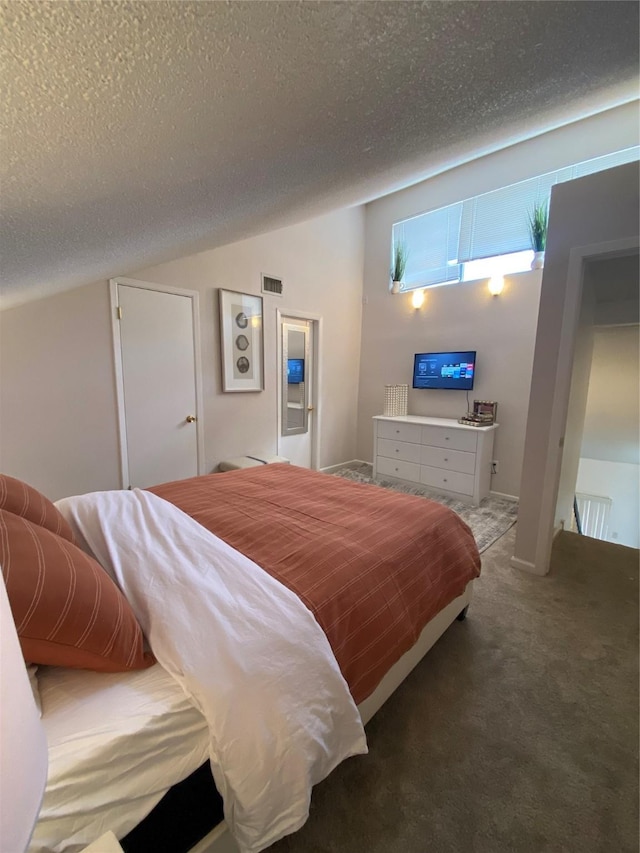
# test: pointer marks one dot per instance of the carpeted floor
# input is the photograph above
(517, 732)
(488, 521)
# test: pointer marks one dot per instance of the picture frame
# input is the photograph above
(486, 408)
(241, 341)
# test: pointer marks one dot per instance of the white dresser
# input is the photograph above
(436, 453)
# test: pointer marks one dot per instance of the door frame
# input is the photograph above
(194, 296)
(537, 507)
(316, 323)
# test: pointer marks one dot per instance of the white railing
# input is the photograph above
(594, 511)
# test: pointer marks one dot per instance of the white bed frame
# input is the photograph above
(220, 840)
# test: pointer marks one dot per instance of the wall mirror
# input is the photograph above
(295, 377)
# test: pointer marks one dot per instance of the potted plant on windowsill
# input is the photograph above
(400, 255)
(538, 223)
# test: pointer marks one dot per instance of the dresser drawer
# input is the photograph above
(452, 460)
(456, 439)
(400, 432)
(398, 468)
(453, 481)
(399, 450)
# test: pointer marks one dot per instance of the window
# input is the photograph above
(486, 235)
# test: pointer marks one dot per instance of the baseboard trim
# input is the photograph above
(526, 566)
(506, 497)
(353, 463)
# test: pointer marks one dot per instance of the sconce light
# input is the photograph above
(496, 285)
(417, 299)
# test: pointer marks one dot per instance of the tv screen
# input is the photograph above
(295, 371)
(444, 370)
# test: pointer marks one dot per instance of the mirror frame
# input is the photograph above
(287, 326)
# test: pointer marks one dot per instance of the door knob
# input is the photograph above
(191, 419)
(310, 408)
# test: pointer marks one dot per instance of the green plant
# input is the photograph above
(400, 255)
(538, 222)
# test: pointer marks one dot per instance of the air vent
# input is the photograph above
(271, 285)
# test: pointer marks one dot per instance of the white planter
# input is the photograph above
(395, 286)
(538, 261)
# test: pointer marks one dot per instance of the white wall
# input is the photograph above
(619, 481)
(58, 425)
(612, 415)
(503, 330)
(58, 429)
(462, 317)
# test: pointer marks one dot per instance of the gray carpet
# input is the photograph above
(488, 521)
(517, 733)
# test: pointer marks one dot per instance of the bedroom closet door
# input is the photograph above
(157, 368)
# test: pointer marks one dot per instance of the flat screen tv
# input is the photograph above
(295, 371)
(453, 370)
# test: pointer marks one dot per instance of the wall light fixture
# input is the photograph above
(496, 285)
(417, 299)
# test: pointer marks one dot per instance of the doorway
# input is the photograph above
(602, 456)
(298, 339)
(556, 405)
(157, 364)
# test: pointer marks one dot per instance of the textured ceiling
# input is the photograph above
(139, 131)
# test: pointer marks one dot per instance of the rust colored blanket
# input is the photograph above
(373, 566)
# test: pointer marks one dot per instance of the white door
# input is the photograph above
(156, 362)
(296, 391)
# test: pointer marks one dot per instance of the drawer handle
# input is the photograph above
(446, 438)
(397, 450)
(445, 480)
(397, 432)
(445, 459)
(396, 469)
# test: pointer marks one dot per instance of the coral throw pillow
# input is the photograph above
(21, 499)
(67, 610)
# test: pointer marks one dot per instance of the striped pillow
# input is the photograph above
(67, 610)
(24, 500)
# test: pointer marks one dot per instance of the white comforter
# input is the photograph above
(244, 648)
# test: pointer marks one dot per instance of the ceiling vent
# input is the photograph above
(271, 285)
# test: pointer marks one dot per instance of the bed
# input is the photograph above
(359, 581)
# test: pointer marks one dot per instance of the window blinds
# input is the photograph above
(431, 248)
(486, 226)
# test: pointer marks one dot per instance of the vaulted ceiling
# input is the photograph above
(135, 132)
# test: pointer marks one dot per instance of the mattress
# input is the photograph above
(117, 743)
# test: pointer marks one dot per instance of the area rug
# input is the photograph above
(488, 521)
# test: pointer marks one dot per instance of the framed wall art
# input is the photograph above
(241, 341)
